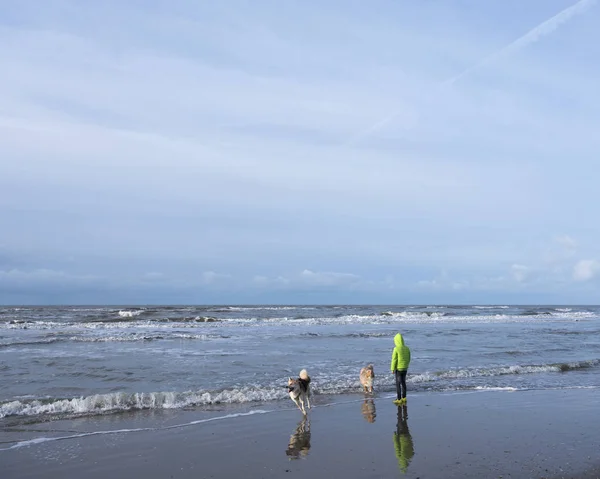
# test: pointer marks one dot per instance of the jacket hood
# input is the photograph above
(398, 340)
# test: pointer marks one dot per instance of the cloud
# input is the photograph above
(534, 35)
(308, 279)
(519, 272)
(445, 282)
(206, 140)
(560, 251)
(211, 278)
(47, 286)
(42, 277)
(554, 268)
(586, 269)
(568, 243)
(327, 278)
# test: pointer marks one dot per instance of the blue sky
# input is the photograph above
(299, 152)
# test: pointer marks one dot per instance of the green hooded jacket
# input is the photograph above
(400, 355)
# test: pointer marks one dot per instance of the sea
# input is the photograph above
(73, 362)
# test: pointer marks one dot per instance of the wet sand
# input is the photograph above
(524, 434)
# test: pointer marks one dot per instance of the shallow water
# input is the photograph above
(81, 361)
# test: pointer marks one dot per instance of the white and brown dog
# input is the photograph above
(300, 390)
(366, 378)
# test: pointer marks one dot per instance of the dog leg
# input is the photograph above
(302, 403)
(297, 403)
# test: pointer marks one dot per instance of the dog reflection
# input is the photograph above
(299, 444)
(403, 443)
(368, 410)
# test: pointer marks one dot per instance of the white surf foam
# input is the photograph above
(115, 402)
(332, 384)
(269, 308)
(130, 321)
(41, 440)
(130, 314)
(143, 337)
(502, 371)
(492, 388)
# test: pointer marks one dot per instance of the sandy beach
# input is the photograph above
(525, 434)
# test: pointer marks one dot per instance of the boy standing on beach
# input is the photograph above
(399, 367)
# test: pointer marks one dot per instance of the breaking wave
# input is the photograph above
(494, 388)
(39, 342)
(322, 385)
(347, 335)
(119, 402)
(130, 314)
(504, 370)
(266, 309)
(491, 307)
(158, 319)
(123, 338)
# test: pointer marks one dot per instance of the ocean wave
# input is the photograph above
(147, 337)
(266, 308)
(494, 388)
(567, 332)
(120, 402)
(413, 314)
(38, 342)
(503, 370)
(130, 314)
(391, 317)
(491, 307)
(184, 319)
(346, 335)
(167, 323)
(123, 338)
(574, 314)
(126, 319)
(323, 384)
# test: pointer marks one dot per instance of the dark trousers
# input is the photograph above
(400, 383)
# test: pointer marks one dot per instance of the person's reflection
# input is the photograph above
(299, 444)
(368, 410)
(403, 443)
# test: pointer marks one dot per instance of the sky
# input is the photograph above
(391, 152)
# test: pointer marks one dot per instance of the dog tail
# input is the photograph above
(304, 375)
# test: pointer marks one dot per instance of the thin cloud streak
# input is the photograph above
(532, 36)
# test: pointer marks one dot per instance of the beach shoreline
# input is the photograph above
(537, 434)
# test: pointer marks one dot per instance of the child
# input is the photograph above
(399, 367)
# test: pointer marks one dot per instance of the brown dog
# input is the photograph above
(366, 378)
